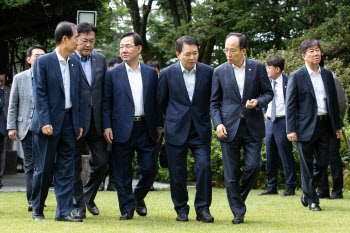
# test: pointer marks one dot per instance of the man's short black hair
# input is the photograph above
(153, 64)
(137, 38)
(38, 46)
(3, 71)
(114, 60)
(243, 41)
(187, 40)
(86, 28)
(64, 28)
(276, 61)
(307, 44)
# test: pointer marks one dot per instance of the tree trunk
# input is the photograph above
(209, 48)
(175, 13)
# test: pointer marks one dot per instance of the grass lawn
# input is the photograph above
(264, 214)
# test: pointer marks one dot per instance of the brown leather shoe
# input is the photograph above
(79, 215)
(92, 208)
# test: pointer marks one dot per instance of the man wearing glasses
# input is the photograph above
(94, 67)
(132, 122)
(240, 89)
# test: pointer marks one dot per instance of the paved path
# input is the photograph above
(16, 182)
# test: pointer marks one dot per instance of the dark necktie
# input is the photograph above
(273, 109)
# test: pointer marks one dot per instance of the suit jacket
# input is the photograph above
(179, 111)
(341, 98)
(93, 95)
(226, 104)
(49, 98)
(301, 105)
(21, 104)
(118, 103)
(2, 115)
(7, 91)
(285, 83)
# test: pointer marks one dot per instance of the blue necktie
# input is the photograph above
(273, 109)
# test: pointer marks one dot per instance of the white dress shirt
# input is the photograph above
(320, 92)
(279, 98)
(190, 80)
(240, 77)
(64, 65)
(136, 86)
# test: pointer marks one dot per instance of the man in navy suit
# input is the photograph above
(57, 122)
(3, 131)
(276, 140)
(312, 117)
(240, 90)
(132, 122)
(184, 95)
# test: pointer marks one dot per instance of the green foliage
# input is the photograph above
(8, 4)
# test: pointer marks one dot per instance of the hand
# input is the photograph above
(47, 129)
(292, 137)
(265, 116)
(160, 132)
(108, 134)
(251, 103)
(13, 134)
(221, 131)
(338, 132)
(80, 133)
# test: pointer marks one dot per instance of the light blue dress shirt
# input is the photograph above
(190, 80)
(86, 65)
(64, 65)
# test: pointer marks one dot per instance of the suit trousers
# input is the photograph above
(177, 163)
(314, 159)
(276, 142)
(2, 145)
(27, 145)
(110, 169)
(237, 190)
(98, 164)
(123, 153)
(54, 153)
(336, 165)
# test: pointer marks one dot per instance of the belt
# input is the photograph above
(322, 117)
(67, 110)
(277, 118)
(139, 118)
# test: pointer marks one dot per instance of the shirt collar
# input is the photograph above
(310, 70)
(81, 58)
(183, 70)
(278, 80)
(128, 68)
(60, 58)
(236, 67)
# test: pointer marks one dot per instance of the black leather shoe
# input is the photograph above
(323, 195)
(205, 216)
(92, 208)
(268, 191)
(37, 216)
(239, 218)
(336, 196)
(315, 207)
(288, 192)
(68, 219)
(303, 200)
(127, 216)
(183, 217)
(152, 188)
(140, 207)
(30, 208)
(111, 187)
(1, 185)
(79, 215)
(102, 187)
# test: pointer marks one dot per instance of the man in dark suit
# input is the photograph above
(132, 122)
(312, 116)
(94, 67)
(58, 121)
(3, 131)
(184, 95)
(240, 90)
(276, 141)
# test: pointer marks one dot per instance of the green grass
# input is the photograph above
(264, 214)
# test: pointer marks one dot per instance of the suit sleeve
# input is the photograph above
(2, 99)
(81, 98)
(215, 100)
(266, 90)
(107, 101)
(291, 102)
(336, 113)
(13, 105)
(163, 92)
(40, 92)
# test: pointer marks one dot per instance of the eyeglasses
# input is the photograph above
(85, 41)
(229, 51)
(127, 47)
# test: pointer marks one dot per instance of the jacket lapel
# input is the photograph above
(197, 81)
(285, 82)
(325, 84)
(248, 76)
(57, 69)
(75, 55)
(180, 80)
(145, 78)
(72, 74)
(93, 68)
(123, 76)
(307, 80)
(232, 78)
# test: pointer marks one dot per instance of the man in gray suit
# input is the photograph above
(94, 66)
(20, 114)
(6, 96)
